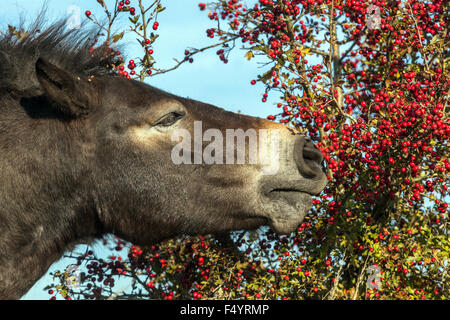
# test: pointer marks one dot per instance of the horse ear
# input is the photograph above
(69, 94)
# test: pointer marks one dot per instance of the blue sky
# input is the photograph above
(182, 25)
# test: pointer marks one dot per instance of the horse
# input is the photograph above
(85, 152)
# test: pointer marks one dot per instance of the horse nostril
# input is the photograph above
(307, 157)
(310, 152)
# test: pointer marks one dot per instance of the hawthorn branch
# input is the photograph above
(146, 59)
(151, 6)
(425, 58)
(346, 52)
(360, 277)
(332, 292)
(318, 51)
(115, 294)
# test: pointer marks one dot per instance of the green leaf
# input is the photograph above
(433, 41)
(249, 55)
(134, 20)
(11, 30)
(118, 36)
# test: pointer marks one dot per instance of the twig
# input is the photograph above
(332, 292)
(360, 277)
(425, 59)
(117, 293)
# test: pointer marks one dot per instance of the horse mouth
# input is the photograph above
(290, 194)
(291, 205)
(276, 190)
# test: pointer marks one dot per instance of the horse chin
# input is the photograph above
(249, 223)
(288, 209)
(285, 226)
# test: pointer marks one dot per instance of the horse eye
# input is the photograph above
(169, 119)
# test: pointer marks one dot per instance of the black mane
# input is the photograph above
(70, 49)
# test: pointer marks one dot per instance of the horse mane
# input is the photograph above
(70, 49)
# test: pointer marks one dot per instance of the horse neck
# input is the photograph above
(44, 194)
